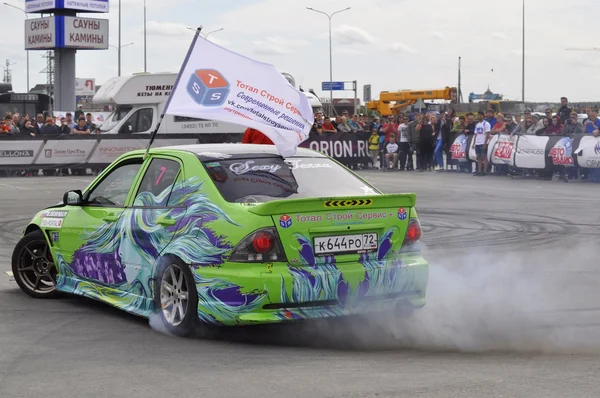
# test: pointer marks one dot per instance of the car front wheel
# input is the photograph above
(33, 266)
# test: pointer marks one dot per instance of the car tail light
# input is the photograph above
(412, 238)
(262, 245)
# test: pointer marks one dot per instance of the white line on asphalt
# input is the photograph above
(17, 187)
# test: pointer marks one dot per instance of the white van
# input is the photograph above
(139, 101)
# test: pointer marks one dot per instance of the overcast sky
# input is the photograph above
(391, 44)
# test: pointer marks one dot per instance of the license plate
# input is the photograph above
(345, 243)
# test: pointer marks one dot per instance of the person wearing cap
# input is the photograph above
(70, 122)
(253, 136)
(79, 112)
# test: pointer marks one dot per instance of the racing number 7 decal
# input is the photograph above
(163, 169)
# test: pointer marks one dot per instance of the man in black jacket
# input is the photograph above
(413, 140)
(564, 112)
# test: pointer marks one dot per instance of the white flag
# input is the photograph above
(217, 84)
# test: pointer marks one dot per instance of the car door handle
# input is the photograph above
(166, 221)
(110, 218)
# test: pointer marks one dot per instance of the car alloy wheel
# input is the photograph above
(35, 268)
(174, 295)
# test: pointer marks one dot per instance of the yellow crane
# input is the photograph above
(392, 102)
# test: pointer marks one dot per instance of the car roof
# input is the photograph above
(232, 151)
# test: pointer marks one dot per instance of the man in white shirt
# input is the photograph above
(480, 143)
(391, 152)
(404, 145)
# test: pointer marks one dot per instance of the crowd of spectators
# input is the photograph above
(17, 125)
(422, 141)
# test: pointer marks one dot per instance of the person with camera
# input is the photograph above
(572, 126)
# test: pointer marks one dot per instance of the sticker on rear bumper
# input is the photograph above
(349, 203)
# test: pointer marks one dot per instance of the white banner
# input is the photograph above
(491, 146)
(19, 152)
(66, 151)
(504, 150)
(458, 149)
(588, 152)
(530, 152)
(109, 150)
(472, 154)
(217, 84)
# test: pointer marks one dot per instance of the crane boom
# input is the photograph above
(392, 102)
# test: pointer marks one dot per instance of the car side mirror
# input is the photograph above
(73, 198)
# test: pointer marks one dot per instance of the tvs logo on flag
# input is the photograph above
(285, 221)
(597, 149)
(402, 214)
(208, 87)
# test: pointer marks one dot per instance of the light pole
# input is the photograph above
(205, 34)
(26, 17)
(119, 52)
(119, 46)
(213, 31)
(145, 35)
(330, 53)
(523, 61)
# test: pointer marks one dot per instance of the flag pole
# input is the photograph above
(183, 66)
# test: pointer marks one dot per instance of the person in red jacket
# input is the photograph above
(253, 136)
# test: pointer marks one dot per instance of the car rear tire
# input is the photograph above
(176, 300)
(33, 266)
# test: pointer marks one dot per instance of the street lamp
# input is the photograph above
(330, 52)
(119, 52)
(26, 17)
(120, 47)
(145, 36)
(523, 61)
(205, 34)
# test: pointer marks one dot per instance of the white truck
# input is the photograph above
(139, 100)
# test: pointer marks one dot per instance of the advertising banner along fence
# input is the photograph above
(532, 152)
(346, 148)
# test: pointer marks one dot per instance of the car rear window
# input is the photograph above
(261, 180)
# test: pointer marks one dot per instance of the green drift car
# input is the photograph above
(228, 234)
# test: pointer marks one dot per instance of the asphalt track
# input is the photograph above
(513, 311)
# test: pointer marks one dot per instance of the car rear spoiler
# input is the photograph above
(339, 203)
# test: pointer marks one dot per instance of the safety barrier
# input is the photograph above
(527, 151)
(533, 152)
(51, 152)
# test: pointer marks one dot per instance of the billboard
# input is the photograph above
(45, 6)
(84, 33)
(66, 32)
(85, 87)
(40, 33)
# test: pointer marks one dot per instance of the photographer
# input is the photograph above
(572, 126)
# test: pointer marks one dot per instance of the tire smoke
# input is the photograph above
(539, 302)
